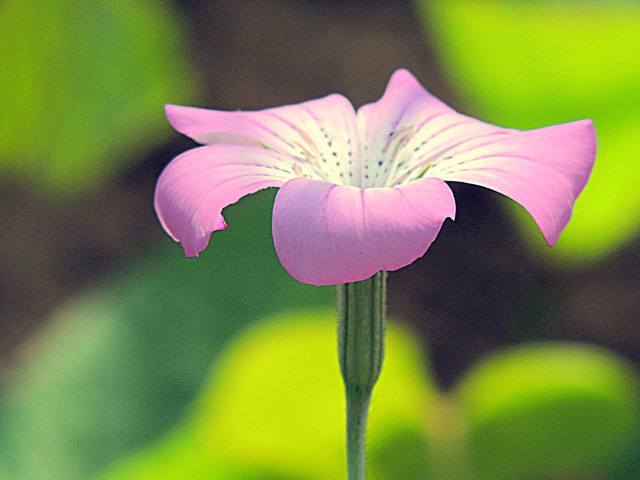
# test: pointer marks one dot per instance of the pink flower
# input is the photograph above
(363, 191)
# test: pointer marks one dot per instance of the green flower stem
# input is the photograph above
(361, 327)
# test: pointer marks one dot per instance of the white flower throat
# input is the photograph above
(335, 160)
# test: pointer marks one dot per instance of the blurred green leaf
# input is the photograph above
(82, 85)
(176, 457)
(274, 409)
(550, 411)
(528, 64)
(277, 403)
(403, 453)
(117, 366)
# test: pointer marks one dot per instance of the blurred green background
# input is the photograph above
(121, 360)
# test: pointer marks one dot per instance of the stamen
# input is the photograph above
(264, 145)
(404, 132)
(401, 137)
(309, 160)
(307, 139)
(429, 165)
(310, 156)
(402, 141)
(309, 149)
(297, 169)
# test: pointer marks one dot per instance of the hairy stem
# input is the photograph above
(361, 328)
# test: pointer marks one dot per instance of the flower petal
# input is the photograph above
(328, 234)
(544, 170)
(408, 128)
(322, 132)
(194, 188)
(413, 134)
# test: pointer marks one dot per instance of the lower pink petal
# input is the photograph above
(544, 170)
(328, 234)
(194, 188)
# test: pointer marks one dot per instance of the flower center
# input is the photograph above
(390, 158)
(388, 162)
(330, 161)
